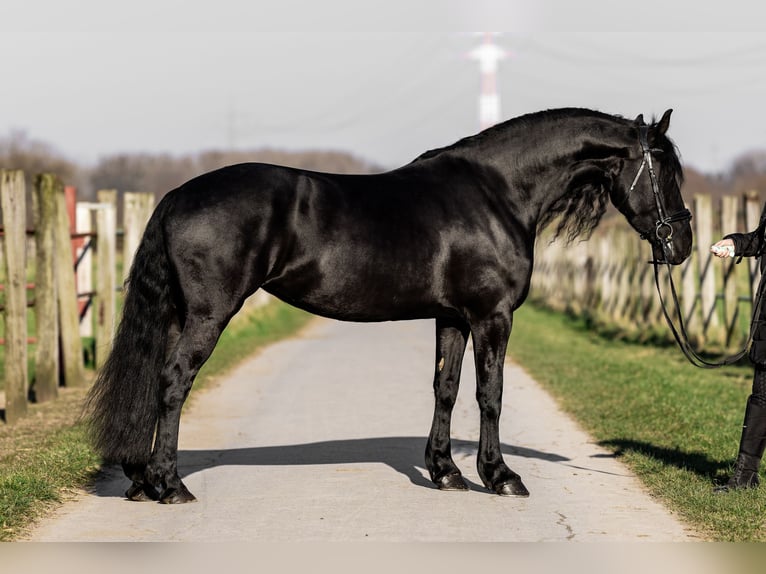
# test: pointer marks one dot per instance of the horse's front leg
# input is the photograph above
(451, 337)
(490, 340)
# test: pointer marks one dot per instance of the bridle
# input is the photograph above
(664, 232)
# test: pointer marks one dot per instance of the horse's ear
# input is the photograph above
(639, 119)
(664, 123)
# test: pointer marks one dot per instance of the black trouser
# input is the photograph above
(758, 395)
(753, 440)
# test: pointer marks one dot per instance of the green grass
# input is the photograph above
(36, 475)
(47, 454)
(675, 425)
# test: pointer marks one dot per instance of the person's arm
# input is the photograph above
(746, 244)
(737, 245)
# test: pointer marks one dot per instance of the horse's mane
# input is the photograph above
(517, 122)
(579, 212)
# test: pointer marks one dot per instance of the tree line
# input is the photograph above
(159, 173)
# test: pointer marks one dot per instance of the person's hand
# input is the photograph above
(723, 249)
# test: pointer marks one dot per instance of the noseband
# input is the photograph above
(663, 230)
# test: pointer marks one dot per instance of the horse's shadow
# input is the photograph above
(403, 454)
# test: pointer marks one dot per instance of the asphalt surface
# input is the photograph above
(321, 437)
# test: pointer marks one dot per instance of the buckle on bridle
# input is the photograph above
(664, 225)
(666, 222)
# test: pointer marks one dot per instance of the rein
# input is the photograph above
(664, 232)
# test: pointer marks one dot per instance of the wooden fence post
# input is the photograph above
(83, 224)
(645, 284)
(106, 280)
(623, 286)
(606, 278)
(69, 320)
(704, 239)
(13, 201)
(137, 210)
(689, 301)
(47, 187)
(628, 258)
(729, 212)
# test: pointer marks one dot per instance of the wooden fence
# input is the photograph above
(59, 350)
(609, 278)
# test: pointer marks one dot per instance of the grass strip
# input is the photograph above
(677, 427)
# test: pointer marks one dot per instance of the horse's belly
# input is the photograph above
(349, 298)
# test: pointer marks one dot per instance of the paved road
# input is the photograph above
(321, 438)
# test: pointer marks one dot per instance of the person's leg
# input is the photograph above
(753, 440)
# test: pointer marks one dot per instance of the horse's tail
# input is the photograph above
(123, 404)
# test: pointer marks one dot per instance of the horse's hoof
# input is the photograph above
(177, 496)
(452, 481)
(513, 487)
(142, 493)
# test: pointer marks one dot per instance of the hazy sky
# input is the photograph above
(384, 80)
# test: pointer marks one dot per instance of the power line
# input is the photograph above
(742, 56)
(331, 119)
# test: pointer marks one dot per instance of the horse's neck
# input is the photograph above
(536, 178)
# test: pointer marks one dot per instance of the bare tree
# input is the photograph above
(18, 151)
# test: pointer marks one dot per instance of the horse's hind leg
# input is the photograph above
(196, 342)
(451, 337)
(141, 490)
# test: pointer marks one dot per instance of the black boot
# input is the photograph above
(751, 447)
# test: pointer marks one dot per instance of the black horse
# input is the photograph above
(449, 236)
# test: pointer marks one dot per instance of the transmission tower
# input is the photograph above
(488, 54)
